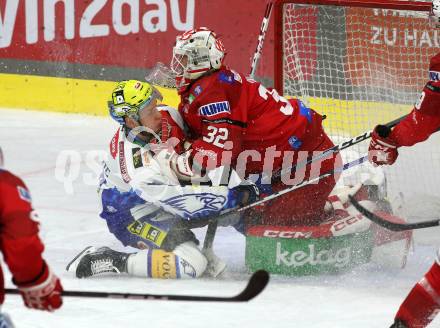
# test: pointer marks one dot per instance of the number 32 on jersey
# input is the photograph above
(216, 136)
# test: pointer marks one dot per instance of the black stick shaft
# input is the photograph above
(255, 286)
(210, 234)
(261, 37)
(393, 226)
(335, 149)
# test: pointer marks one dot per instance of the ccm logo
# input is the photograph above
(344, 224)
(286, 234)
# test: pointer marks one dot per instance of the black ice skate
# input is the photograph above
(92, 261)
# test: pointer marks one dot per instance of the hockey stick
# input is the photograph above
(392, 225)
(210, 234)
(257, 282)
(335, 149)
(325, 153)
(205, 221)
(261, 37)
(304, 183)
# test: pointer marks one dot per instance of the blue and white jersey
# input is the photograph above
(137, 172)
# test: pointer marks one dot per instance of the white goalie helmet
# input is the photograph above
(195, 53)
(435, 14)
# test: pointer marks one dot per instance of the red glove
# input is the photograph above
(44, 293)
(382, 150)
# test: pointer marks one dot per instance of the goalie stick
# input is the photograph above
(257, 282)
(393, 226)
(261, 37)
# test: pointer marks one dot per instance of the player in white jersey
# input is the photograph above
(145, 202)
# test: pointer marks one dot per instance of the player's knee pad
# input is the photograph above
(186, 261)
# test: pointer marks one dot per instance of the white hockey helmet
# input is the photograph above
(434, 15)
(195, 53)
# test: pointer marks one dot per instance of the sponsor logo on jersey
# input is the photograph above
(123, 164)
(215, 108)
(196, 205)
(198, 90)
(226, 77)
(305, 111)
(24, 194)
(137, 158)
(111, 209)
(114, 145)
(145, 158)
(339, 258)
(294, 142)
(191, 98)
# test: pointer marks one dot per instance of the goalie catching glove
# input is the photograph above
(383, 149)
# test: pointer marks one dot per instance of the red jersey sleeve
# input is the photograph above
(222, 121)
(423, 120)
(19, 241)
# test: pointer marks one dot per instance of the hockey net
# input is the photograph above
(361, 62)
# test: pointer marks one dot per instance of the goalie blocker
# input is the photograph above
(347, 239)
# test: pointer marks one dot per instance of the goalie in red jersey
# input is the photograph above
(235, 121)
(22, 249)
(423, 302)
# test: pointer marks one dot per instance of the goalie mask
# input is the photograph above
(195, 53)
(129, 99)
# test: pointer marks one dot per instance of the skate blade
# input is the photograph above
(71, 267)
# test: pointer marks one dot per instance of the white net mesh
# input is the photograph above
(361, 67)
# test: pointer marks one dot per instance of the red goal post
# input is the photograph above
(360, 62)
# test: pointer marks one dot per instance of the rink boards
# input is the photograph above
(71, 95)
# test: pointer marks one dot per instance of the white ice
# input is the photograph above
(368, 296)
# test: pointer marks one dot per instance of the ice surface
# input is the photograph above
(367, 297)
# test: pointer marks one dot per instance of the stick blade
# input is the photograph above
(255, 286)
(391, 225)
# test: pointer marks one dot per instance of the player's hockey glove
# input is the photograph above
(44, 293)
(245, 193)
(383, 149)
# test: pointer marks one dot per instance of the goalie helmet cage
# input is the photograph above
(361, 63)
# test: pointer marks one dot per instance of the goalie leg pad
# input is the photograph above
(186, 261)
